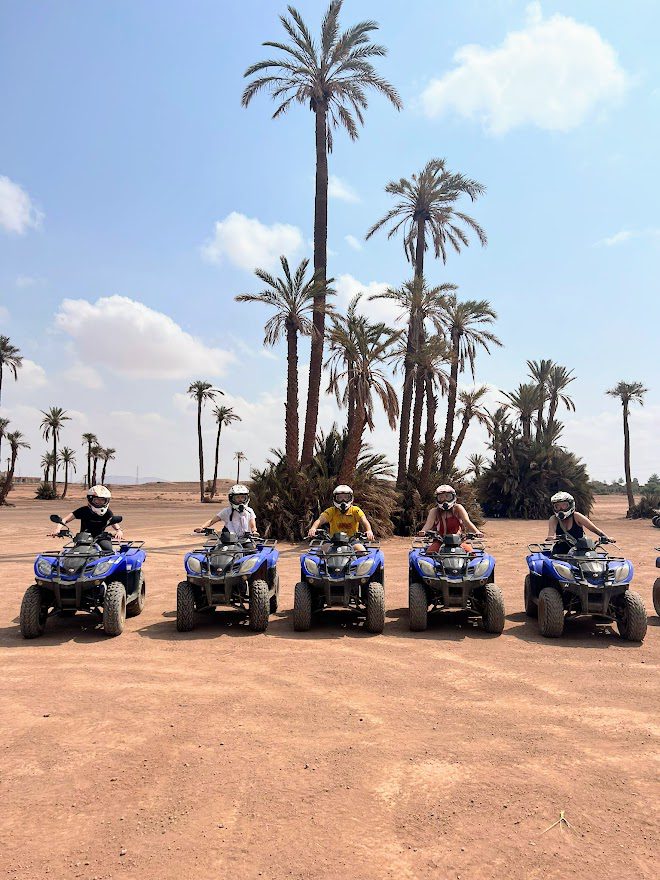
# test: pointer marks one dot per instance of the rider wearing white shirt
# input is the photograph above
(238, 518)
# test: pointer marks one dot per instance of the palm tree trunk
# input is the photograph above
(459, 441)
(238, 471)
(527, 428)
(66, 479)
(353, 445)
(626, 459)
(200, 449)
(406, 404)
(416, 435)
(55, 463)
(554, 403)
(9, 479)
(95, 462)
(215, 466)
(89, 465)
(1, 372)
(350, 376)
(429, 437)
(291, 416)
(320, 269)
(105, 464)
(451, 405)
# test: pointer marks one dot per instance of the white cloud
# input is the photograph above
(84, 375)
(353, 242)
(4, 315)
(377, 310)
(26, 281)
(249, 244)
(339, 189)
(553, 73)
(625, 235)
(31, 375)
(17, 211)
(134, 340)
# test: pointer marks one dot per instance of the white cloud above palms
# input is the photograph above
(339, 189)
(553, 73)
(249, 244)
(18, 213)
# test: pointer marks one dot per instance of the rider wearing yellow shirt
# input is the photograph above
(343, 516)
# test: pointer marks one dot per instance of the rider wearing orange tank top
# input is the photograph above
(448, 518)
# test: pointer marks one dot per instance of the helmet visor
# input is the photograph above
(345, 497)
(95, 501)
(445, 496)
(561, 506)
(239, 499)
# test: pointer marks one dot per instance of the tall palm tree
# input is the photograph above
(477, 463)
(331, 77)
(558, 379)
(68, 459)
(108, 454)
(464, 323)
(471, 407)
(432, 361)
(417, 303)
(525, 402)
(341, 357)
(425, 209)
(368, 347)
(201, 392)
(224, 415)
(97, 453)
(628, 392)
(16, 441)
(51, 425)
(293, 298)
(238, 458)
(4, 424)
(501, 432)
(539, 372)
(91, 440)
(11, 358)
(47, 464)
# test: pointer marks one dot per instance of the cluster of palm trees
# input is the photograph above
(203, 392)
(548, 385)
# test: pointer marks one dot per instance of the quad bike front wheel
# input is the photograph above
(185, 607)
(656, 521)
(631, 620)
(375, 622)
(418, 607)
(531, 609)
(259, 609)
(656, 596)
(114, 609)
(551, 613)
(493, 609)
(33, 613)
(302, 607)
(137, 605)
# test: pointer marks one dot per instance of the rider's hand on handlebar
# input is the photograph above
(311, 533)
(118, 535)
(201, 531)
(370, 535)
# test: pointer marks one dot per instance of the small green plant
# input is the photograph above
(45, 492)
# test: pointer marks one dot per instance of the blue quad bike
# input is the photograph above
(656, 587)
(83, 576)
(453, 577)
(228, 572)
(333, 574)
(585, 581)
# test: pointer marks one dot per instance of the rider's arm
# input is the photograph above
(364, 522)
(214, 519)
(429, 522)
(62, 526)
(586, 523)
(552, 529)
(321, 521)
(253, 524)
(466, 522)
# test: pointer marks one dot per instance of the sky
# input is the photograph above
(137, 196)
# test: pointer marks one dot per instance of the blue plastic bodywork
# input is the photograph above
(339, 578)
(225, 571)
(451, 576)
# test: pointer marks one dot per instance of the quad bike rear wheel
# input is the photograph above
(33, 613)
(493, 609)
(114, 609)
(137, 605)
(185, 607)
(259, 606)
(375, 622)
(632, 619)
(656, 596)
(275, 598)
(418, 607)
(531, 608)
(551, 613)
(656, 521)
(302, 607)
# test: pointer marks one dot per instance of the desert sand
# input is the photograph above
(331, 754)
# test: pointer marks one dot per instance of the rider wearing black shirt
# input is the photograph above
(95, 517)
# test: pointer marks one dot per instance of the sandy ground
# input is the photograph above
(221, 753)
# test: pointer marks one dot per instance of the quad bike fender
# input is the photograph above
(536, 563)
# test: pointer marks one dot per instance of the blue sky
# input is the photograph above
(124, 145)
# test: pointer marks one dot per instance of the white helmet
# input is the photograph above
(567, 505)
(98, 499)
(446, 490)
(344, 504)
(239, 497)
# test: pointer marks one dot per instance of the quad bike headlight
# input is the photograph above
(193, 565)
(248, 565)
(311, 568)
(44, 568)
(427, 568)
(480, 569)
(102, 568)
(564, 571)
(622, 573)
(363, 568)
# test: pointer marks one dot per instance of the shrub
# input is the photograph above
(648, 506)
(413, 504)
(45, 492)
